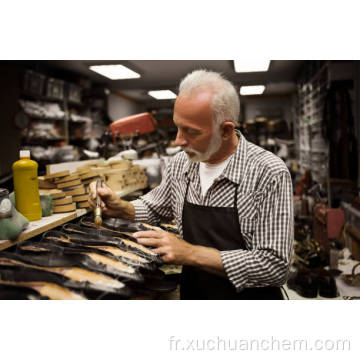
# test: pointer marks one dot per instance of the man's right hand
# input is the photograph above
(111, 204)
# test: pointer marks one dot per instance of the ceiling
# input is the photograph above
(166, 74)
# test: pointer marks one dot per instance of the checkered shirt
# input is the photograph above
(265, 208)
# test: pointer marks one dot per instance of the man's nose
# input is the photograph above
(180, 140)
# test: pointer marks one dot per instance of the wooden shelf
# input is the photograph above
(42, 225)
(40, 98)
(45, 118)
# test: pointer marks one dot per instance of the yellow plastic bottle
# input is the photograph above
(26, 186)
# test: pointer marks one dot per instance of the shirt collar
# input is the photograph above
(191, 169)
(234, 169)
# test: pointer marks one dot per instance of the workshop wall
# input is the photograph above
(119, 107)
(350, 71)
(268, 107)
(357, 107)
(10, 138)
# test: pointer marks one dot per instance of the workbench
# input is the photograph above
(49, 222)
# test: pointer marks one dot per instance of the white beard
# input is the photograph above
(214, 146)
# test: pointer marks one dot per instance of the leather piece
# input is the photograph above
(57, 248)
(80, 234)
(13, 292)
(46, 261)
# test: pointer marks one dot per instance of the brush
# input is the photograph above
(97, 210)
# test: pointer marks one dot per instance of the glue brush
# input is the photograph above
(97, 210)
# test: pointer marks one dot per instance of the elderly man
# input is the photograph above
(232, 201)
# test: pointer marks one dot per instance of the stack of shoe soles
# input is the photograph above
(120, 229)
(83, 262)
(169, 228)
(312, 283)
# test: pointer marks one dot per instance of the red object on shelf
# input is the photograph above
(143, 123)
(328, 224)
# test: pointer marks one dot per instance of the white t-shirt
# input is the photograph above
(209, 172)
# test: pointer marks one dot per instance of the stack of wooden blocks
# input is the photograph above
(70, 190)
(124, 174)
(67, 190)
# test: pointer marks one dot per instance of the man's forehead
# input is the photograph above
(201, 94)
(193, 112)
(193, 103)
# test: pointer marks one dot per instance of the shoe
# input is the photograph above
(304, 283)
(327, 284)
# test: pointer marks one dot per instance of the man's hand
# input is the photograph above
(172, 248)
(177, 251)
(111, 204)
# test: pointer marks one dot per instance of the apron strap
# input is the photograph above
(187, 188)
(235, 199)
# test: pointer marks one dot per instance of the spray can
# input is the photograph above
(26, 186)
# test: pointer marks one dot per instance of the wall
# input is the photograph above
(119, 107)
(357, 108)
(268, 107)
(350, 70)
(10, 137)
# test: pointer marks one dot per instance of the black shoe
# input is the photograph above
(327, 284)
(304, 283)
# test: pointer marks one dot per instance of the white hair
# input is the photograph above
(225, 103)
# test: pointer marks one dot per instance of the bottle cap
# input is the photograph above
(24, 154)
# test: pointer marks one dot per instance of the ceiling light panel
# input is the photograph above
(115, 72)
(251, 65)
(252, 90)
(162, 94)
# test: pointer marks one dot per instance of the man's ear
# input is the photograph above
(227, 129)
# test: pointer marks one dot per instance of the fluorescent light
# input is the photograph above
(252, 90)
(115, 72)
(251, 65)
(162, 94)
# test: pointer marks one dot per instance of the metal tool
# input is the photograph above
(97, 210)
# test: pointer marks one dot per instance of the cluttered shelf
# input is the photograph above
(40, 140)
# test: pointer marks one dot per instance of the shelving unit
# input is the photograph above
(312, 90)
(66, 95)
(312, 148)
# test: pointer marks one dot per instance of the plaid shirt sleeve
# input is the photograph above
(156, 204)
(267, 262)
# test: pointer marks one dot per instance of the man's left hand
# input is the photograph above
(172, 248)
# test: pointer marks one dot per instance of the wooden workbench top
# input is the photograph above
(44, 224)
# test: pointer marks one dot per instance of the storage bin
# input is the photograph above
(74, 93)
(55, 89)
(33, 83)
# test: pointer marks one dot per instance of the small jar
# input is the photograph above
(5, 204)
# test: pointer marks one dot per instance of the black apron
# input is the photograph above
(216, 227)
